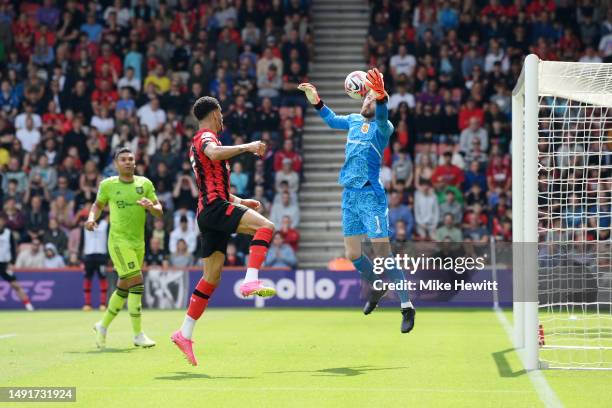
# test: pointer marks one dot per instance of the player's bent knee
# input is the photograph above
(268, 224)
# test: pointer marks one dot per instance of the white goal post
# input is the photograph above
(561, 207)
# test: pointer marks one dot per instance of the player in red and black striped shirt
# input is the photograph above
(221, 214)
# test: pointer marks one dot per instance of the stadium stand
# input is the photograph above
(80, 79)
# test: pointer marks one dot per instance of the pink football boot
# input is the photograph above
(185, 345)
(256, 287)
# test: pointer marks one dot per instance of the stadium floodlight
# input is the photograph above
(561, 206)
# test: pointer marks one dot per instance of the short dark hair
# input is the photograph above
(203, 106)
(122, 150)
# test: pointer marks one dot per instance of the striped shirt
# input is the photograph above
(212, 176)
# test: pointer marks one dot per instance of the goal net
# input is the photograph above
(562, 209)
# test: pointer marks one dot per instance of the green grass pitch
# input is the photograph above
(284, 358)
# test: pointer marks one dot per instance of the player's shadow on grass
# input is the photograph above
(184, 375)
(106, 350)
(340, 371)
(503, 367)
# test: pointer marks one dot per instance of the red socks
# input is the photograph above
(103, 290)
(259, 247)
(199, 299)
(87, 291)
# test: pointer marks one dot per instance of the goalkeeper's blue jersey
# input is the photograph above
(364, 146)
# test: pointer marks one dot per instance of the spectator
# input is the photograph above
(402, 63)
(29, 136)
(130, 80)
(63, 212)
(286, 207)
(447, 174)
(399, 211)
(159, 80)
(14, 172)
(426, 211)
(448, 230)
(291, 236)
(402, 169)
(36, 218)
(469, 111)
(286, 174)
(266, 61)
(233, 257)
(152, 115)
(474, 131)
(185, 192)
(182, 232)
(182, 258)
(401, 96)
(451, 206)
(476, 196)
(54, 235)
(470, 60)
(280, 254)
(92, 28)
(52, 258)
(155, 256)
(400, 234)
(31, 256)
(288, 151)
(499, 175)
(270, 84)
(159, 232)
(475, 231)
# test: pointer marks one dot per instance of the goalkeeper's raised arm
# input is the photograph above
(374, 81)
(333, 121)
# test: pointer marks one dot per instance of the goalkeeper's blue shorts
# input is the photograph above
(365, 212)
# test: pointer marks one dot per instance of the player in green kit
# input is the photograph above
(128, 197)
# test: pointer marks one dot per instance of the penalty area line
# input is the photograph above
(545, 392)
(7, 336)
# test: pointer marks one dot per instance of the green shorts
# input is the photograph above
(127, 260)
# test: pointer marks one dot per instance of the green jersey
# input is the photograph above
(127, 219)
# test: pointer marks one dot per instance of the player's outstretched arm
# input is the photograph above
(333, 121)
(215, 152)
(94, 214)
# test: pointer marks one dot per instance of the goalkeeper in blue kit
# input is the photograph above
(364, 202)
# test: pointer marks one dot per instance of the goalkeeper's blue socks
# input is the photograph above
(397, 276)
(365, 268)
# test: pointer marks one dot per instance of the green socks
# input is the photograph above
(115, 304)
(134, 307)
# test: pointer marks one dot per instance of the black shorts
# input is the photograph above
(95, 264)
(217, 222)
(5, 273)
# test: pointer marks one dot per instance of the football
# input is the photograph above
(354, 85)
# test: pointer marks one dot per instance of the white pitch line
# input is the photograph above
(545, 392)
(7, 336)
(310, 389)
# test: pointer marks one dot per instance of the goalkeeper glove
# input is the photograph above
(374, 81)
(311, 92)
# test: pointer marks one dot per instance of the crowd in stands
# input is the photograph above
(80, 79)
(450, 67)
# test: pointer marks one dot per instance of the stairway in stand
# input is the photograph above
(340, 29)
